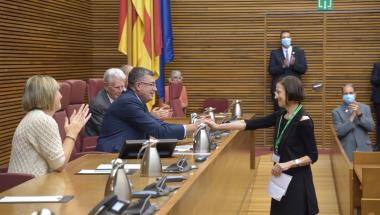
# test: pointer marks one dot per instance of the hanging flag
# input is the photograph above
(167, 52)
(140, 34)
(123, 26)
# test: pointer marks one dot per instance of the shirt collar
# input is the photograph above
(289, 50)
(109, 97)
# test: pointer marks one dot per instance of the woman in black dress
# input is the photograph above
(295, 147)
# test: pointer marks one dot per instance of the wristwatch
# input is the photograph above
(297, 161)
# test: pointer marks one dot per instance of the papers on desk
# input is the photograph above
(109, 166)
(183, 148)
(94, 172)
(104, 169)
(34, 199)
(278, 185)
(186, 150)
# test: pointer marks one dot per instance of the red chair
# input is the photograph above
(9, 180)
(220, 104)
(59, 116)
(77, 96)
(175, 89)
(94, 85)
(4, 168)
(78, 92)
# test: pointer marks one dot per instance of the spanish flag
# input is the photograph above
(140, 36)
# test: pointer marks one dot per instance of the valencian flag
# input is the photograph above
(140, 36)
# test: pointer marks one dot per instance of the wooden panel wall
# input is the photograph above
(105, 15)
(222, 47)
(39, 37)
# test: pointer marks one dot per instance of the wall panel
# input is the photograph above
(39, 37)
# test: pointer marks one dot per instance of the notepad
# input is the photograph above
(278, 185)
(34, 199)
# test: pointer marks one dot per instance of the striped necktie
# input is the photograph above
(287, 57)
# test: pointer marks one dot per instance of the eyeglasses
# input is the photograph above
(152, 84)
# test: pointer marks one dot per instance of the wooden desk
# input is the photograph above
(365, 185)
(359, 169)
(343, 176)
(218, 186)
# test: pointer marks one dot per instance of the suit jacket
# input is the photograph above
(375, 80)
(98, 108)
(129, 119)
(275, 65)
(353, 135)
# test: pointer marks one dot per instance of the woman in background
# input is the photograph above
(37, 146)
(176, 94)
(294, 149)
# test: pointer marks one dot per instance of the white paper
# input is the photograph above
(189, 153)
(278, 185)
(94, 171)
(109, 166)
(183, 148)
(16, 199)
(275, 158)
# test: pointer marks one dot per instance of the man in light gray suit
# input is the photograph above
(352, 122)
(114, 85)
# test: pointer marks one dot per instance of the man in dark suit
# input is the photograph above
(114, 84)
(375, 80)
(128, 117)
(287, 60)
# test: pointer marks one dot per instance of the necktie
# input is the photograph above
(287, 57)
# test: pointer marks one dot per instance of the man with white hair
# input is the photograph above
(114, 85)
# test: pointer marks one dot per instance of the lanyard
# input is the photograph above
(279, 134)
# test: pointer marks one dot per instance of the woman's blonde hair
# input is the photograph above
(39, 93)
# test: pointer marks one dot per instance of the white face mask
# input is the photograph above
(348, 98)
(286, 42)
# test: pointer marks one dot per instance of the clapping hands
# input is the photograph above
(77, 120)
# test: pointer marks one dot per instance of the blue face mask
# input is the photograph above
(348, 98)
(286, 42)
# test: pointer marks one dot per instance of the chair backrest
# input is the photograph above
(65, 90)
(78, 92)
(9, 180)
(59, 116)
(220, 104)
(94, 85)
(4, 168)
(175, 89)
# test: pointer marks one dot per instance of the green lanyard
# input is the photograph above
(279, 134)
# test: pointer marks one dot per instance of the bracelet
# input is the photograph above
(71, 138)
(297, 162)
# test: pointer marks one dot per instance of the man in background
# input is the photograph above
(128, 118)
(114, 85)
(352, 121)
(375, 80)
(287, 60)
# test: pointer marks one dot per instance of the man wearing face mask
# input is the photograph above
(352, 121)
(287, 60)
